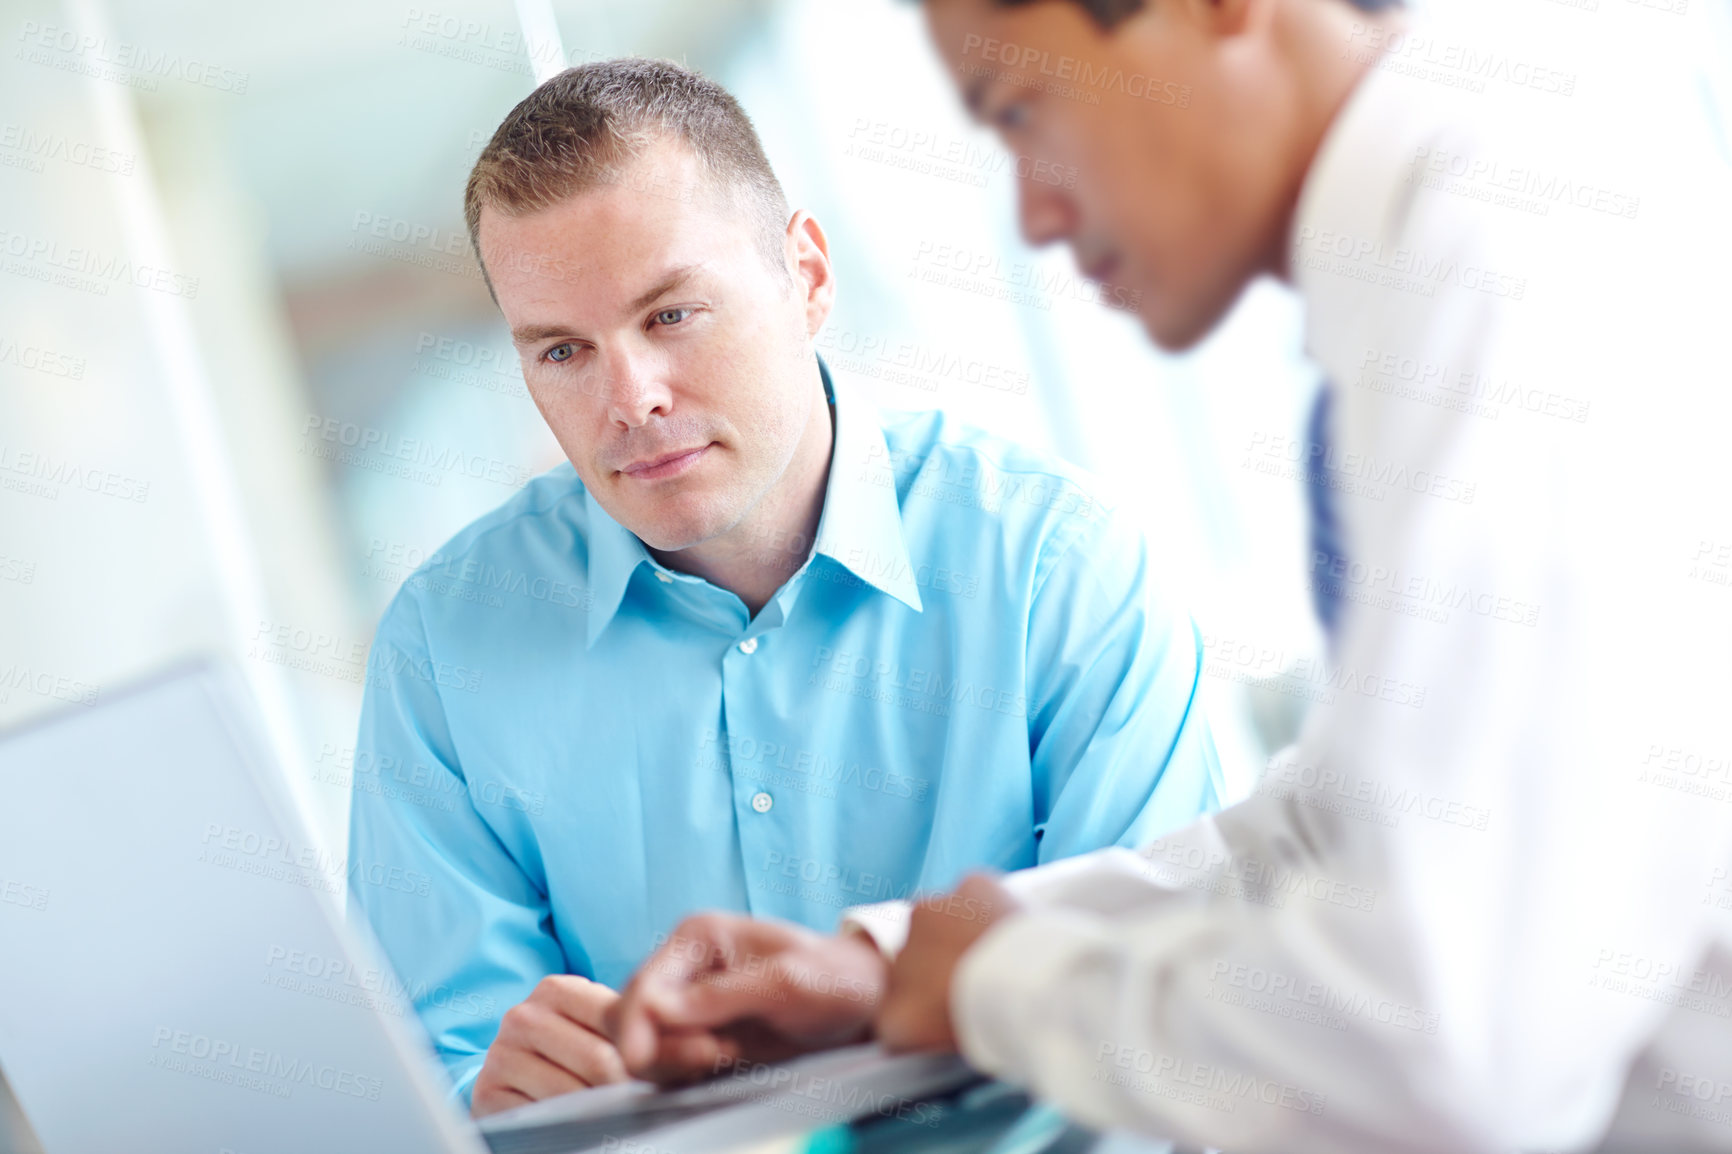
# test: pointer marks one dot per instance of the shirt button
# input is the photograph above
(762, 802)
(749, 646)
(664, 578)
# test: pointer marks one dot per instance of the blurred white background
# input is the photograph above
(234, 282)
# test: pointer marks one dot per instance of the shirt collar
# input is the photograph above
(860, 527)
(614, 555)
(1357, 192)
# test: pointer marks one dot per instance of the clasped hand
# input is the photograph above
(725, 988)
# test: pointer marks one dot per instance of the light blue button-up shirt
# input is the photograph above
(566, 747)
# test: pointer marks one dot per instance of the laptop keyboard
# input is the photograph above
(863, 1070)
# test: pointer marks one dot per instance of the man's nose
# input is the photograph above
(637, 390)
(1045, 211)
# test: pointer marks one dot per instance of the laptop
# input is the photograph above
(176, 974)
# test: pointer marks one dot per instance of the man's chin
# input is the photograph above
(1179, 323)
(671, 534)
(672, 539)
(1178, 332)
(677, 520)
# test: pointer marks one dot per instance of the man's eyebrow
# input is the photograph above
(668, 284)
(530, 334)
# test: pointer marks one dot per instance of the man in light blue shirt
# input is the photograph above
(753, 648)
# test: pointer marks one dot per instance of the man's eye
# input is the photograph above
(559, 353)
(671, 316)
(1012, 116)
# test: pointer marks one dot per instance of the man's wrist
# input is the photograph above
(874, 967)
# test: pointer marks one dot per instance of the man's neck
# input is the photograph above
(1327, 77)
(757, 556)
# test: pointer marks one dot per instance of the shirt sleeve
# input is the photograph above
(1120, 751)
(472, 936)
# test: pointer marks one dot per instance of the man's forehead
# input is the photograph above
(600, 294)
(607, 244)
(578, 239)
(656, 196)
(960, 28)
(1008, 36)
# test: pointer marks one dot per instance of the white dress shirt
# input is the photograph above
(1481, 904)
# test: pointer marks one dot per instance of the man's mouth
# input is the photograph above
(1101, 269)
(665, 465)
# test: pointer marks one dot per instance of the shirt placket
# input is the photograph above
(748, 669)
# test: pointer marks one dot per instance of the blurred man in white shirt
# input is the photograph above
(1480, 905)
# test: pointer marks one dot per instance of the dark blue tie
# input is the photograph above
(1327, 553)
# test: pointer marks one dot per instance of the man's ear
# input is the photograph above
(808, 254)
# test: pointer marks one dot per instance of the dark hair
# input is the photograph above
(584, 126)
(1108, 13)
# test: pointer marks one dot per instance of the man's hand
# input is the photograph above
(550, 1043)
(726, 987)
(916, 1010)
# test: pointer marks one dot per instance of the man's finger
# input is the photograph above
(583, 1053)
(657, 997)
(701, 951)
(579, 999)
(635, 1030)
(753, 1040)
(683, 1056)
(719, 1000)
(496, 1100)
(687, 1056)
(697, 944)
(534, 1076)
